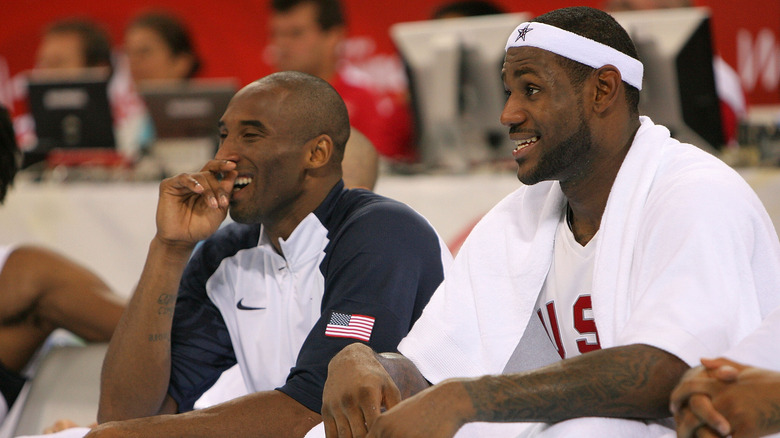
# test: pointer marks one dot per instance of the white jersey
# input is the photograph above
(564, 304)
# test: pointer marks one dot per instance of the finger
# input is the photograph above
(219, 185)
(701, 406)
(726, 373)
(392, 396)
(216, 166)
(203, 188)
(330, 426)
(687, 423)
(706, 432)
(687, 388)
(355, 417)
(220, 176)
(370, 413)
(343, 427)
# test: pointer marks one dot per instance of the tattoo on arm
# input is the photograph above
(768, 420)
(167, 304)
(157, 337)
(634, 381)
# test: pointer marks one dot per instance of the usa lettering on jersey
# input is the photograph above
(583, 323)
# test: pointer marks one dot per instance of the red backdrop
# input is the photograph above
(231, 35)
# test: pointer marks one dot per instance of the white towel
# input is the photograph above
(687, 261)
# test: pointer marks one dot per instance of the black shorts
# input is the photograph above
(11, 384)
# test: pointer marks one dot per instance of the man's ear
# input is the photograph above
(321, 149)
(608, 85)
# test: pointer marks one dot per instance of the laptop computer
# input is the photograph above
(189, 109)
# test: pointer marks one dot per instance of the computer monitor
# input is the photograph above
(71, 114)
(185, 116)
(187, 109)
(454, 68)
(678, 90)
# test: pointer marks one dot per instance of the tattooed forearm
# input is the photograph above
(406, 376)
(768, 418)
(628, 382)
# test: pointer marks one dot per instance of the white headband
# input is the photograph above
(577, 48)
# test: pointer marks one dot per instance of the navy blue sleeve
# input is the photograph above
(201, 348)
(384, 264)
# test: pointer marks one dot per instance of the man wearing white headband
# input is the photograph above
(577, 303)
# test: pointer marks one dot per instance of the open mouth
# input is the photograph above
(241, 182)
(522, 144)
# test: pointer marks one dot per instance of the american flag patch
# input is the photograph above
(344, 325)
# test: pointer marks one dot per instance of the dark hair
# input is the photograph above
(330, 13)
(173, 32)
(9, 153)
(467, 8)
(598, 26)
(315, 106)
(97, 45)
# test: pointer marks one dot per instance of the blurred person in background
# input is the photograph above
(467, 8)
(306, 36)
(40, 291)
(159, 47)
(70, 46)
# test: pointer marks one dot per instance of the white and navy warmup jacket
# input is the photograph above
(360, 268)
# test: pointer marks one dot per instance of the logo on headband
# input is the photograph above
(521, 33)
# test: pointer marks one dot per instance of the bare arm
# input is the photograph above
(632, 381)
(41, 290)
(263, 414)
(136, 370)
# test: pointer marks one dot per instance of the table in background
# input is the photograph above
(108, 226)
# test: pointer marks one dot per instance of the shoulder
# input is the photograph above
(363, 222)
(363, 209)
(691, 174)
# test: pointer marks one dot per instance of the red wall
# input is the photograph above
(231, 34)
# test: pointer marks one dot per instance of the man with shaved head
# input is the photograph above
(306, 268)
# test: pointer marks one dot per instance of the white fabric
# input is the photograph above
(577, 48)
(760, 348)
(3, 409)
(566, 287)
(5, 251)
(74, 432)
(687, 261)
(265, 362)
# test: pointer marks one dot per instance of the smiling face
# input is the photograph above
(257, 134)
(545, 117)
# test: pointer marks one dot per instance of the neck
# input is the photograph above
(283, 225)
(587, 196)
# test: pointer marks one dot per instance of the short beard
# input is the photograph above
(563, 158)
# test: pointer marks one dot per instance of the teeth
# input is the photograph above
(522, 144)
(241, 182)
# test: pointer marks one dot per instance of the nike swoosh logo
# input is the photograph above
(241, 306)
